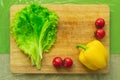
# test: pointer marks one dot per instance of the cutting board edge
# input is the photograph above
(104, 5)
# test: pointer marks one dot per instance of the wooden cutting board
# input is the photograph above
(76, 25)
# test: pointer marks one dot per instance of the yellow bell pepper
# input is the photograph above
(94, 55)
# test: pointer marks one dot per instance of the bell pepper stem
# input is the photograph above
(82, 46)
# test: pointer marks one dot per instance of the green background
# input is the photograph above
(114, 19)
(5, 73)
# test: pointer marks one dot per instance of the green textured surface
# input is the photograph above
(6, 4)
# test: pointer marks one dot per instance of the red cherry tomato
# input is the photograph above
(67, 62)
(57, 62)
(99, 33)
(100, 22)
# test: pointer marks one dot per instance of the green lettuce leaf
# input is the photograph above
(34, 30)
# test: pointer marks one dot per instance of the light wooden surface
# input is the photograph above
(76, 25)
(114, 74)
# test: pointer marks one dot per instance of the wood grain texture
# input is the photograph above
(76, 25)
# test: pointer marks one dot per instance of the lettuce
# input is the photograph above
(34, 30)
